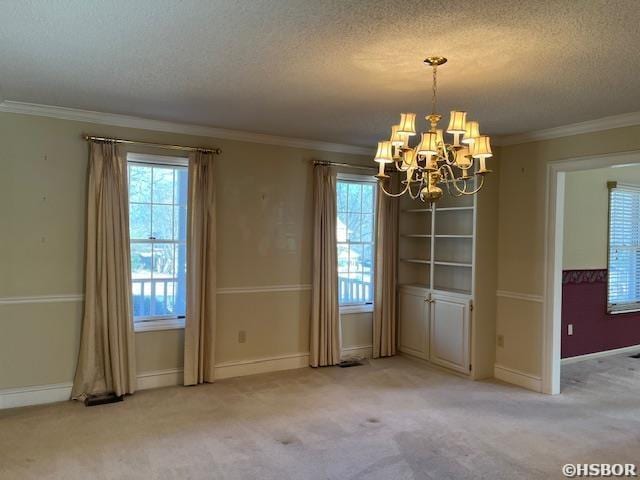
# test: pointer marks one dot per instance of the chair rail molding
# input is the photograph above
(527, 297)
(61, 298)
(264, 289)
(79, 297)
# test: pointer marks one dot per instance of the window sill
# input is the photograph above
(366, 308)
(160, 324)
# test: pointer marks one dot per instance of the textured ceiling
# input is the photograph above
(333, 70)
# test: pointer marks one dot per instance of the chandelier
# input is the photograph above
(433, 162)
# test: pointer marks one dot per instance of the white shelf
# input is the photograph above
(454, 236)
(454, 209)
(453, 264)
(415, 235)
(416, 260)
(417, 210)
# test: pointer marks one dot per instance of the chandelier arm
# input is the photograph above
(414, 197)
(394, 195)
(478, 188)
(460, 191)
(452, 178)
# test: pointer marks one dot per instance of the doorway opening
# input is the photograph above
(577, 266)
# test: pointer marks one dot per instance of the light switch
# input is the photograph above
(570, 329)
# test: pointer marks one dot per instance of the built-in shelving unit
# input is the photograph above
(436, 271)
(436, 244)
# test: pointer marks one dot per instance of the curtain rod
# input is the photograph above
(90, 138)
(348, 165)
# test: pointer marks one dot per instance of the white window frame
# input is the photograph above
(156, 322)
(351, 177)
(628, 307)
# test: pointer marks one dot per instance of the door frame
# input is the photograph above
(554, 235)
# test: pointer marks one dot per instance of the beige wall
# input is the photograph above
(585, 215)
(264, 238)
(523, 173)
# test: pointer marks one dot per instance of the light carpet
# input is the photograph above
(392, 419)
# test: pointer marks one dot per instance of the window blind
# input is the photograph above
(624, 248)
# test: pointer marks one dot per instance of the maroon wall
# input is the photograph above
(584, 304)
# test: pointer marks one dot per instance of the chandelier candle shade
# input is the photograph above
(433, 162)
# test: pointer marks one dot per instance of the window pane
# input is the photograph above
(342, 188)
(355, 288)
(355, 258)
(141, 260)
(368, 198)
(180, 223)
(343, 258)
(140, 221)
(341, 227)
(354, 201)
(181, 283)
(139, 184)
(367, 228)
(163, 279)
(367, 258)
(162, 223)
(353, 227)
(162, 185)
(163, 258)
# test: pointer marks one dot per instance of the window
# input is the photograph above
(624, 248)
(158, 188)
(356, 239)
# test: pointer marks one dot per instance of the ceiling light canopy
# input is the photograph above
(433, 161)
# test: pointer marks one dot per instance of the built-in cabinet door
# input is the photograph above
(413, 323)
(450, 328)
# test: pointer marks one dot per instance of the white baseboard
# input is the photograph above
(25, 396)
(606, 353)
(517, 377)
(261, 365)
(40, 394)
(361, 351)
(159, 378)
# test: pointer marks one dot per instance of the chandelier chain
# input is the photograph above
(433, 98)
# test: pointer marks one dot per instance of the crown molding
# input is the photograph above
(590, 126)
(89, 116)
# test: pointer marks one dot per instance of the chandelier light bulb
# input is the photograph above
(429, 144)
(407, 124)
(398, 139)
(384, 153)
(481, 147)
(457, 122)
(463, 158)
(471, 131)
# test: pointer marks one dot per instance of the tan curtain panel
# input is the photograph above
(325, 320)
(200, 326)
(384, 310)
(106, 362)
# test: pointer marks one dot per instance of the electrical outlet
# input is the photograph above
(242, 336)
(500, 340)
(570, 329)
